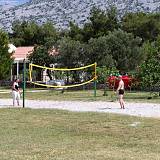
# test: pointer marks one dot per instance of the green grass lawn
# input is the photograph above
(27, 134)
(86, 95)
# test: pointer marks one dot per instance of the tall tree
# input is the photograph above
(146, 26)
(71, 53)
(5, 57)
(118, 48)
(30, 33)
(43, 56)
(47, 33)
(125, 49)
(100, 23)
(149, 71)
(97, 50)
(75, 32)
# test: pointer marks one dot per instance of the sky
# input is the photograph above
(13, 2)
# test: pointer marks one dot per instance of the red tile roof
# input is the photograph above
(22, 52)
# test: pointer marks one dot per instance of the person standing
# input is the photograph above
(16, 92)
(120, 92)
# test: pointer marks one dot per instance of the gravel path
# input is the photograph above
(136, 109)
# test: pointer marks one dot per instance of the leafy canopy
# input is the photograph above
(5, 57)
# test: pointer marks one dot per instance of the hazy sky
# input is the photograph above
(13, 2)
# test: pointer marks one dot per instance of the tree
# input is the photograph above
(100, 23)
(113, 22)
(146, 26)
(30, 33)
(97, 50)
(75, 32)
(24, 33)
(149, 71)
(71, 53)
(125, 50)
(42, 56)
(118, 48)
(47, 33)
(5, 57)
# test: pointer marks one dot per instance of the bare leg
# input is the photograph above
(18, 98)
(13, 102)
(13, 96)
(122, 104)
(121, 101)
(18, 102)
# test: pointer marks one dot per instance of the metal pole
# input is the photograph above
(17, 69)
(95, 81)
(12, 71)
(24, 81)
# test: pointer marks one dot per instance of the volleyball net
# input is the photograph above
(61, 77)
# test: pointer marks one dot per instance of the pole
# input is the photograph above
(24, 81)
(95, 81)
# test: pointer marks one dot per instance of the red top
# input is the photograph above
(114, 82)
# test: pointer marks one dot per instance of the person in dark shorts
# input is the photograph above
(120, 91)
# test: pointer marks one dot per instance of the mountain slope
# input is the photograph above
(60, 12)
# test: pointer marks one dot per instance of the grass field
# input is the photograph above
(86, 95)
(27, 134)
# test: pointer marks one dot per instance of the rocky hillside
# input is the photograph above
(60, 12)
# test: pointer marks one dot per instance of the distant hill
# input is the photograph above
(60, 12)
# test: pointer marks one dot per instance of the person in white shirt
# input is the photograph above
(16, 92)
(120, 92)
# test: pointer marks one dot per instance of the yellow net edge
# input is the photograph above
(68, 86)
(61, 69)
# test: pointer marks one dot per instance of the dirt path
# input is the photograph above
(136, 109)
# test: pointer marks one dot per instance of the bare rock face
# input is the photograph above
(60, 12)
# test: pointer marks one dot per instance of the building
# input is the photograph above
(20, 54)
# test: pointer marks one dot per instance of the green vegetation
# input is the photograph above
(131, 44)
(128, 44)
(149, 74)
(144, 25)
(5, 57)
(29, 33)
(52, 134)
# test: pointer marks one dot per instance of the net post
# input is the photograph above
(95, 80)
(24, 81)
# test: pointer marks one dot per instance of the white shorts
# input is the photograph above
(15, 95)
